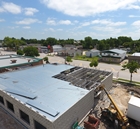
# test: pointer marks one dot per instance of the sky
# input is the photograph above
(63, 19)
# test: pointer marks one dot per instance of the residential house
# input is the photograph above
(93, 53)
(113, 55)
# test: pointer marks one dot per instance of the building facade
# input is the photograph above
(93, 53)
(134, 57)
(113, 55)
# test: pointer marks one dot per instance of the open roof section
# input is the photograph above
(83, 77)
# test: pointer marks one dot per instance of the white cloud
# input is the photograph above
(13, 27)
(136, 23)
(85, 24)
(59, 29)
(108, 22)
(2, 20)
(26, 27)
(131, 16)
(28, 21)
(30, 11)
(51, 21)
(10, 7)
(65, 22)
(51, 29)
(89, 7)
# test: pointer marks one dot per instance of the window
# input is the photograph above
(24, 116)
(38, 125)
(10, 106)
(1, 100)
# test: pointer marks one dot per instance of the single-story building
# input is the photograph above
(51, 96)
(93, 53)
(134, 57)
(57, 48)
(42, 49)
(113, 55)
(14, 62)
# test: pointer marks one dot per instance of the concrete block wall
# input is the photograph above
(33, 115)
(76, 112)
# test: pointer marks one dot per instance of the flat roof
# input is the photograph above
(38, 89)
(6, 60)
(134, 101)
(136, 54)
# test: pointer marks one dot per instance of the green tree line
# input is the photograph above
(87, 43)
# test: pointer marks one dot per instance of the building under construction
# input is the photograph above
(51, 96)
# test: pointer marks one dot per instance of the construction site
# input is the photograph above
(58, 96)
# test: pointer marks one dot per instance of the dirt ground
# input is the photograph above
(121, 94)
(7, 122)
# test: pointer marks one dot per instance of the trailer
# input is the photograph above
(133, 111)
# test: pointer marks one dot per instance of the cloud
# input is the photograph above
(86, 24)
(28, 21)
(51, 21)
(59, 29)
(90, 7)
(108, 22)
(11, 8)
(30, 11)
(136, 23)
(65, 22)
(131, 16)
(13, 27)
(26, 27)
(2, 20)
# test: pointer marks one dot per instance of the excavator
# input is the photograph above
(113, 113)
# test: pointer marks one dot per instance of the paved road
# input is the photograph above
(116, 69)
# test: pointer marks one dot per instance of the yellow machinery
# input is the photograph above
(114, 114)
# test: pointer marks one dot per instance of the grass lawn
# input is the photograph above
(84, 58)
(133, 83)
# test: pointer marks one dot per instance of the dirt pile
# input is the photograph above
(121, 97)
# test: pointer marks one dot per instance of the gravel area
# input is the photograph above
(7, 122)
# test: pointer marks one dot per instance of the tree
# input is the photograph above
(31, 51)
(132, 66)
(94, 62)
(68, 59)
(20, 52)
(88, 43)
(46, 59)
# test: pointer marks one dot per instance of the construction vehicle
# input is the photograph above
(113, 113)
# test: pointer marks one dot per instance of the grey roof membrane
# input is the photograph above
(38, 89)
(6, 60)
